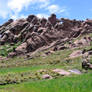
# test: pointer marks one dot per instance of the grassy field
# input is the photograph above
(20, 75)
(79, 83)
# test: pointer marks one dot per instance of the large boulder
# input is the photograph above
(33, 19)
(43, 22)
(22, 48)
(35, 42)
(52, 19)
(8, 36)
(30, 18)
(18, 25)
(86, 65)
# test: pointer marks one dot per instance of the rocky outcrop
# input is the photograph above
(34, 33)
(85, 41)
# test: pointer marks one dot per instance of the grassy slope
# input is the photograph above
(58, 59)
(64, 84)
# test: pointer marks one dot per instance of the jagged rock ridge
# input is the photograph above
(34, 33)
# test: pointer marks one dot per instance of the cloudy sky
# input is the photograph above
(73, 9)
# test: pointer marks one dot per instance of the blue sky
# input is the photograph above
(73, 9)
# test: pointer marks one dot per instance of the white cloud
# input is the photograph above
(12, 8)
(46, 3)
(3, 9)
(42, 15)
(18, 16)
(18, 5)
(3, 14)
(55, 9)
(23, 16)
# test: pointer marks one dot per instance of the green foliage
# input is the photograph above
(7, 48)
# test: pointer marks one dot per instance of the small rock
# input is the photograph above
(76, 54)
(49, 52)
(75, 71)
(46, 76)
(61, 72)
(11, 55)
(62, 47)
(3, 58)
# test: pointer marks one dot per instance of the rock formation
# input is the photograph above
(34, 33)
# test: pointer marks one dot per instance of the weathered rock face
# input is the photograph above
(34, 42)
(30, 18)
(43, 22)
(18, 25)
(35, 33)
(52, 19)
(86, 41)
(22, 48)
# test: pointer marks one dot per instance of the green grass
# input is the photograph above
(12, 69)
(34, 66)
(79, 83)
(27, 68)
(50, 59)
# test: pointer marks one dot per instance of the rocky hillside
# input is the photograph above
(43, 51)
(35, 34)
